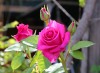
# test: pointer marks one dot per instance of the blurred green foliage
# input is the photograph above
(95, 69)
(5, 41)
(82, 3)
(6, 57)
(5, 44)
(5, 63)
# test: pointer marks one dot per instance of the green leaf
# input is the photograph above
(31, 48)
(41, 61)
(15, 47)
(32, 39)
(17, 60)
(82, 44)
(29, 70)
(4, 38)
(55, 68)
(77, 54)
(8, 56)
(26, 43)
(11, 25)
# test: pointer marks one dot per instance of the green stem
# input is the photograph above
(69, 47)
(29, 53)
(63, 62)
(46, 22)
(67, 54)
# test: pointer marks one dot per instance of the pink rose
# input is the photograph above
(23, 32)
(53, 39)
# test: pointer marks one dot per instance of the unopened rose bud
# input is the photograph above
(72, 28)
(45, 14)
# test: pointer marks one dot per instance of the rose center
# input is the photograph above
(49, 34)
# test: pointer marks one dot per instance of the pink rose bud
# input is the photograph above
(72, 28)
(23, 32)
(53, 39)
(45, 14)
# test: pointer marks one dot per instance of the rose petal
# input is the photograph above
(58, 26)
(24, 29)
(42, 47)
(53, 41)
(30, 31)
(56, 40)
(20, 28)
(48, 36)
(61, 28)
(42, 44)
(66, 40)
(50, 22)
(63, 45)
(26, 26)
(40, 39)
(51, 57)
(19, 37)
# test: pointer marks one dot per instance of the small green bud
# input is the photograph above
(72, 28)
(45, 14)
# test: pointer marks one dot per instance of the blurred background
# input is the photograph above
(27, 12)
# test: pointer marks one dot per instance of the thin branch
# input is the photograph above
(64, 11)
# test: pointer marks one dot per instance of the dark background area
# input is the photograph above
(32, 17)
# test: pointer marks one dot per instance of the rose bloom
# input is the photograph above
(53, 39)
(23, 32)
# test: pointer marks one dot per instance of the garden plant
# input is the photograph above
(51, 47)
